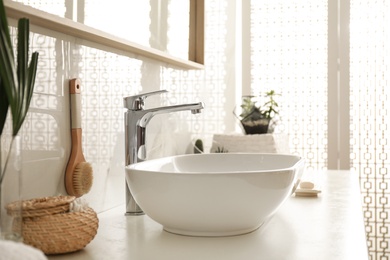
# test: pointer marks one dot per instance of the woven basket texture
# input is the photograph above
(54, 229)
(40, 206)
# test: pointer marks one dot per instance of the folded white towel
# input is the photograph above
(262, 143)
(10, 250)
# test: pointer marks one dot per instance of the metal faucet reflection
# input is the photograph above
(136, 120)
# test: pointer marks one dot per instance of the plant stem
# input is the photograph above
(3, 171)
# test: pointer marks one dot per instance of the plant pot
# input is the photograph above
(259, 126)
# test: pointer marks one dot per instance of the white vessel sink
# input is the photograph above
(221, 194)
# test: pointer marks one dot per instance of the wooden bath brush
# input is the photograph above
(79, 174)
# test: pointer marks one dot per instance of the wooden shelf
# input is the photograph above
(52, 22)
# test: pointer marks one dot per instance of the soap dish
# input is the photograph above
(307, 192)
(307, 189)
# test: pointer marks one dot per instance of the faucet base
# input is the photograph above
(134, 213)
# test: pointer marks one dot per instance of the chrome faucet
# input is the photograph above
(136, 120)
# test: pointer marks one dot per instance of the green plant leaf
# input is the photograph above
(32, 72)
(19, 111)
(17, 81)
(3, 107)
(29, 87)
(25, 77)
(7, 68)
(7, 61)
(4, 24)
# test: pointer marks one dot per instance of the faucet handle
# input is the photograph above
(136, 102)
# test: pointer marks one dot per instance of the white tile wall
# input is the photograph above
(107, 76)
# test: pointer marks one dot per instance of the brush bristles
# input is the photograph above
(82, 178)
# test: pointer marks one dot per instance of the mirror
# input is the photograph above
(172, 28)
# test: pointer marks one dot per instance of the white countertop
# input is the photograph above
(329, 226)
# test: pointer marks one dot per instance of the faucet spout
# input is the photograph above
(148, 114)
(136, 121)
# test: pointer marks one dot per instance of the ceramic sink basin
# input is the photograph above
(219, 194)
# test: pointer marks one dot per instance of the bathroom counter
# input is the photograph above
(329, 226)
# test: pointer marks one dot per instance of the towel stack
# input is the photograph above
(262, 143)
(15, 250)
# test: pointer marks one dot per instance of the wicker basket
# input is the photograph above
(40, 206)
(48, 225)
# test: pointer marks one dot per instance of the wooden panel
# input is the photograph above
(196, 40)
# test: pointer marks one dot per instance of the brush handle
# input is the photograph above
(75, 121)
(75, 103)
(76, 154)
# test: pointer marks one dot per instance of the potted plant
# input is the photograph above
(17, 78)
(259, 119)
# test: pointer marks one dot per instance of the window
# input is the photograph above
(291, 54)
